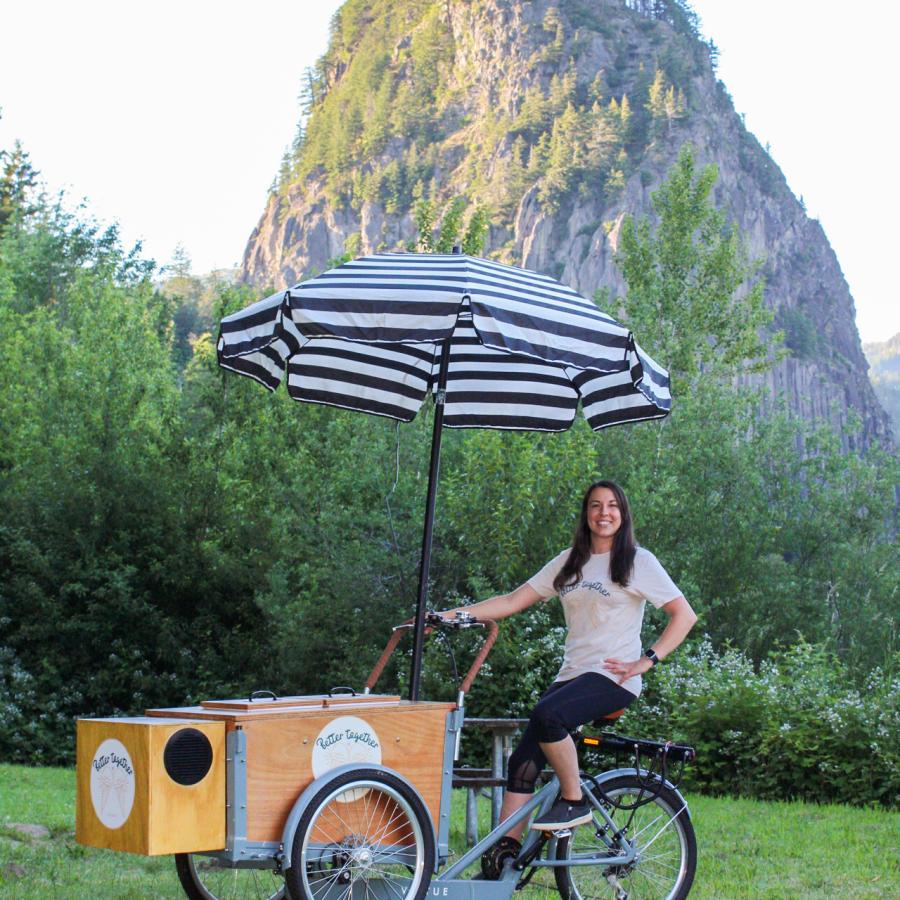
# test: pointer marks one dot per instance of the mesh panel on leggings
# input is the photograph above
(522, 775)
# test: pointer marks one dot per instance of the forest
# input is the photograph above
(170, 531)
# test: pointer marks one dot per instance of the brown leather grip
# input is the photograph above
(393, 640)
(478, 662)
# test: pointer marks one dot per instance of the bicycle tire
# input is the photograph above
(203, 879)
(364, 828)
(666, 872)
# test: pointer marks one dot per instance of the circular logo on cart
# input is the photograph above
(112, 783)
(344, 740)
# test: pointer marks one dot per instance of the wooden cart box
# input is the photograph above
(151, 785)
(293, 740)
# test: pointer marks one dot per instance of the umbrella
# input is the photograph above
(497, 346)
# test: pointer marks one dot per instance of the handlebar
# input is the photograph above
(432, 621)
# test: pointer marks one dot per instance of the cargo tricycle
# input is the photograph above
(346, 795)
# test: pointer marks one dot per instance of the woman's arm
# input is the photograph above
(502, 606)
(681, 621)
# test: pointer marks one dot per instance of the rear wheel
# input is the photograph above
(666, 849)
(208, 878)
(365, 834)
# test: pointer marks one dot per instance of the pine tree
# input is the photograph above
(562, 91)
(656, 102)
(675, 106)
(625, 116)
(618, 171)
(516, 175)
(180, 266)
(533, 111)
(378, 120)
(605, 134)
(434, 237)
(17, 183)
(537, 159)
(595, 91)
(565, 157)
(553, 23)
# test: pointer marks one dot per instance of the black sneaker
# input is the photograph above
(563, 814)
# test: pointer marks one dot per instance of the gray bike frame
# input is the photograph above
(541, 801)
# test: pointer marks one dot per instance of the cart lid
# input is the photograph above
(308, 701)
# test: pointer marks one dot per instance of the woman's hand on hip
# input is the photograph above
(624, 670)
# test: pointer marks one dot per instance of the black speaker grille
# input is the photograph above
(188, 756)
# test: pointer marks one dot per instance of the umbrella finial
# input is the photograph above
(457, 249)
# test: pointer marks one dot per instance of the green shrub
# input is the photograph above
(800, 334)
(795, 728)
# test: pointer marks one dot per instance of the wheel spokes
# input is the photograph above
(654, 873)
(380, 851)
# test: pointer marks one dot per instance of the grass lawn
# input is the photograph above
(746, 849)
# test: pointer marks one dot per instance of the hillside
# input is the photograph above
(558, 118)
(884, 358)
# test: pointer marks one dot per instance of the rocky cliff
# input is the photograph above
(559, 118)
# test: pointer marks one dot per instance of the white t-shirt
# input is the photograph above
(603, 618)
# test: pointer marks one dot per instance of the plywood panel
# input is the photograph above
(280, 756)
(253, 714)
(120, 790)
(134, 805)
(187, 816)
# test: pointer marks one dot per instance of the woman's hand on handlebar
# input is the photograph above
(459, 616)
(445, 615)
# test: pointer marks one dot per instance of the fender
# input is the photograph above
(303, 801)
(603, 777)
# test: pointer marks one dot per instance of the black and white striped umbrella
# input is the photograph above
(524, 349)
(499, 347)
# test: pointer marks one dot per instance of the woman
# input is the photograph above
(603, 582)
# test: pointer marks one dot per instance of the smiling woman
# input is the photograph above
(603, 581)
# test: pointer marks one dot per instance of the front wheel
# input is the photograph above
(366, 833)
(662, 834)
(207, 878)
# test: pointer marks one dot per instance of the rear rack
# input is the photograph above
(650, 759)
(607, 742)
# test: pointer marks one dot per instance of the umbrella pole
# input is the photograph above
(419, 631)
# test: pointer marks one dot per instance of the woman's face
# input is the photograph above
(603, 515)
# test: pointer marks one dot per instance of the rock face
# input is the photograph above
(493, 53)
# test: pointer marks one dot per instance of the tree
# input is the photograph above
(533, 112)
(565, 156)
(656, 96)
(686, 282)
(512, 179)
(450, 231)
(17, 184)
(625, 117)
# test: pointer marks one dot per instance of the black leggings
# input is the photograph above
(564, 706)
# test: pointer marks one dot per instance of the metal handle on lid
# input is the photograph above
(261, 695)
(342, 690)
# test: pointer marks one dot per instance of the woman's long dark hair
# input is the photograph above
(621, 560)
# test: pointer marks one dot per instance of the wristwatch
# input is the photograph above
(651, 655)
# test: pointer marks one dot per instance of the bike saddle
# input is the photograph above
(603, 721)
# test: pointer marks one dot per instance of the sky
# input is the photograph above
(172, 118)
